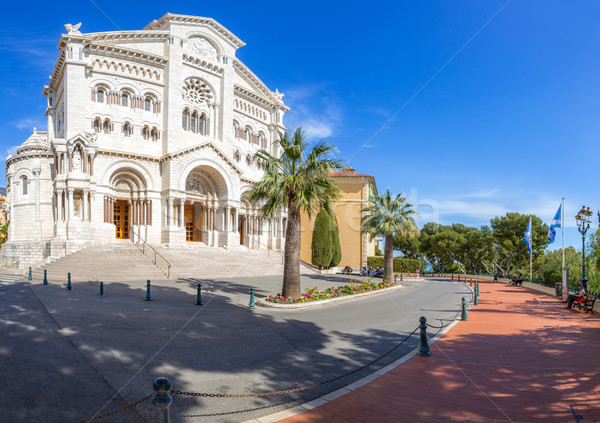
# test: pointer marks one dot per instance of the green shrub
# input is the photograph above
(321, 247)
(401, 264)
(336, 248)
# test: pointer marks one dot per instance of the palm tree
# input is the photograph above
(386, 216)
(299, 182)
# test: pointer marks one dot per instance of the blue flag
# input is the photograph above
(527, 237)
(556, 222)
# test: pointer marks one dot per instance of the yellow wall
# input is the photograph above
(348, 213)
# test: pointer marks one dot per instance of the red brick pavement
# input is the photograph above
(521, 357)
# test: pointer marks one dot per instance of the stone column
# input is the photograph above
(92, 165)
(36, 178)
(70, 203)
(70, 160)
(59, 197)
(181, 215)
(92, 195)
(84, 208)
(169, 211)
(227, 218)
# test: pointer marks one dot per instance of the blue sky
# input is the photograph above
(511, 123)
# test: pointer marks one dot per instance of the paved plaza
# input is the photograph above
(521, 357)
(70, 355)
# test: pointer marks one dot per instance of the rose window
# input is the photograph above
(197, 91)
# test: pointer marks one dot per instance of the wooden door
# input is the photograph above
(121, 219)
(241, 228)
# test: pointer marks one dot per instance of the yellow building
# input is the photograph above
(357, 190)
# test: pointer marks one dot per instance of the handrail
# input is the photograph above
(156, 253)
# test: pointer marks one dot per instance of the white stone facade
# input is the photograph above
(150, 133)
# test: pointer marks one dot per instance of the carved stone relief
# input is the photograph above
(203, 47)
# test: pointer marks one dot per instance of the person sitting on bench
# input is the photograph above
(347, 270)
(519, 279)
(573, 297)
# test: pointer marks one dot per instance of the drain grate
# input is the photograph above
(585, 413)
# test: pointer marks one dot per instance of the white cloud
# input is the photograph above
(313, 108)
(30, 123)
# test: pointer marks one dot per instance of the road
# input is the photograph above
(71, 355)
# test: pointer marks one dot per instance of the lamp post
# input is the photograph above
(583, 218)
(496, 246)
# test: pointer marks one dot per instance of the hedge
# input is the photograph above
(401, 264)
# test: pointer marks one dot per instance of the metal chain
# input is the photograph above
(227, 413)
(128, 406)
(289, 391)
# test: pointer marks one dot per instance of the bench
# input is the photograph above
(586, 303)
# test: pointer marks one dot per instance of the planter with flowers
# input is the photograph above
(314, 297)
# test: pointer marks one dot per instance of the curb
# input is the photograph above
(290, 412)
(323, 303)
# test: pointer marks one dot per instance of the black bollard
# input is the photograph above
(30, 276)
(199, 295)
(252, 304)
(69, 286)
(423, 343)
(148, 295)
(45, 278)
(162, 400)
(101, 288)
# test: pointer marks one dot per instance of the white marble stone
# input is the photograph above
(147, 117)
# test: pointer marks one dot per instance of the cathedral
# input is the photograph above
(150, 137)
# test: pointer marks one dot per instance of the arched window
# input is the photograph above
(127, 129)
(145, 132)
(236, 155)
(100, 95)
(185, 120)
(24, 181)
(247, 133)
(262, 140)
(237, 131)
(202, 125)
(97, 125)
(147, 104)
(124, 99)
(154, 134)
(194, 122)
(106, 126)
(248, 159)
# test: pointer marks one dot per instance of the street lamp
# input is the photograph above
(496, 246)
(583, 218)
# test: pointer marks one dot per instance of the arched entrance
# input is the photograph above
(128, 204)
(242, 229)
(204, 216)
(121, 219)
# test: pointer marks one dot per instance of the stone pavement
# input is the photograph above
(521, 357)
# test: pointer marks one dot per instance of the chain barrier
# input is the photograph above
(127, 407)
(228, 413)
(303, 388)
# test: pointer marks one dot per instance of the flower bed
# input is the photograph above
(314, 294)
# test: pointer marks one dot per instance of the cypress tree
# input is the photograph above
(321, 240)
(336, 254)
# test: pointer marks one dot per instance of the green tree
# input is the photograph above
(4, 232)
(409, 247)
(299, 181)
(508, 231)
(387, 216)
(336, 248)
(321, 247)
(549, 266)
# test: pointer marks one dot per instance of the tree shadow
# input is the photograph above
(93, 346)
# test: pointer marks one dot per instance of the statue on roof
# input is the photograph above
(279, 96)
(73, 29)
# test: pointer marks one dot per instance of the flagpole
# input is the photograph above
(562, 225)
(531, 253)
